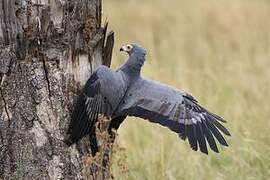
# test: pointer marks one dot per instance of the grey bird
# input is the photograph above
(121, 93)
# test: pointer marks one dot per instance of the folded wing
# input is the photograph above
(89, 106)
(176, 110)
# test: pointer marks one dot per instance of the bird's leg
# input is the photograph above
(93, 143)
(114, 125)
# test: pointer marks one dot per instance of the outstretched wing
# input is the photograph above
(90, 105)
(176, 110)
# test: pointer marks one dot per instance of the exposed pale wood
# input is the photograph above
(48, 49)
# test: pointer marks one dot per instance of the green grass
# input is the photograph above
(219, 51)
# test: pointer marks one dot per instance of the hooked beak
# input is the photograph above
(126, 48)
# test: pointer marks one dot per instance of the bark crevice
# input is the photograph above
(5, 104)
(47, 77)
(46, 74)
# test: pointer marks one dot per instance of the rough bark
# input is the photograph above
(48, 49)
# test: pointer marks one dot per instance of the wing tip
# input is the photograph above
(215, 150)
(219, 118)
(228, 133)
(204, 152)
(225, 144)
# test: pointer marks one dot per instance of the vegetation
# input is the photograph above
(219, 51)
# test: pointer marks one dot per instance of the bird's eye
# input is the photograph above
(129, 47)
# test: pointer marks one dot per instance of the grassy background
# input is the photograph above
(219, 51)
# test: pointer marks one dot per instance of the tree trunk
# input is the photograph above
(49, 48)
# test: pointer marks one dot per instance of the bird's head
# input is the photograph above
(133, 49)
